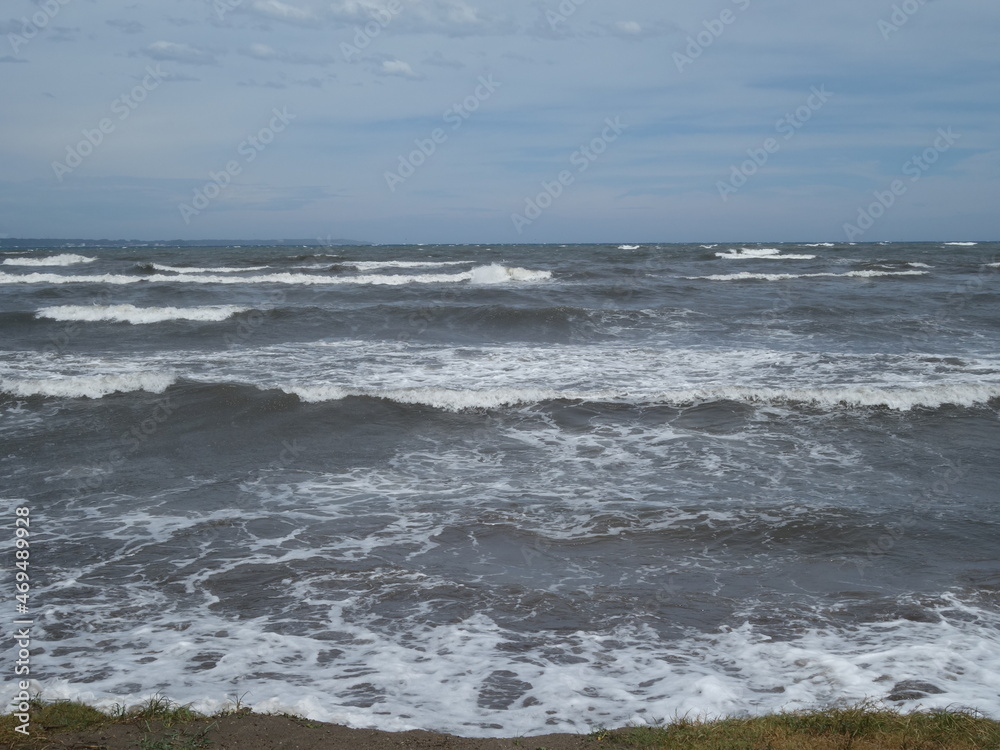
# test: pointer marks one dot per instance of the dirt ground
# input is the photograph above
(261, 732)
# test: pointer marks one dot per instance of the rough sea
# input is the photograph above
(507, 490)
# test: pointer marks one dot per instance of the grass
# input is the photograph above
(863, 727)
(165, 725)
(158, 718)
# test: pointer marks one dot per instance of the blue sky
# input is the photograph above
(470, 121)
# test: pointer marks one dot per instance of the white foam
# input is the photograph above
(192, 269)
(492, 274)
(432, 676)
(629, 247)
(761, 253)
(446, 398)
(139, 315)
(896, 398)
(962, 244)
(88, 386)
(52, 260)
(786, 276)
(374, 265)
(497, 376)
(821, 244)
(497, 274)
(919, 265)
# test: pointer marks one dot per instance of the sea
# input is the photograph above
(505, 490)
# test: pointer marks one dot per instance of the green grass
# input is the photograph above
(166, 725)
(864, 727)
(155, 717)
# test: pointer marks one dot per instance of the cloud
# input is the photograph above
(178, 52)
(276, 10)
(637, 30)
(448, 17)
(441, 61)
(266, 52)
(11, 59)
(396, 68)
(127, 27)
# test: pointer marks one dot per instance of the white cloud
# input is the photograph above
(266, 52)
(279, 11)
(448, 17)
(397, 68)
(629, 27)
(177, 52)
(261, 52)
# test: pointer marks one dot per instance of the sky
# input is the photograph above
(489, 121)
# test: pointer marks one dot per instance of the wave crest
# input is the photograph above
(67, 259)
(139, 315)
(88, 386)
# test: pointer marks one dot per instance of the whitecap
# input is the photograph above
(193, 269)
(52, 260)
(761, 253)
(139, 315)
(786, 276)
(492, 274)
(87, 386)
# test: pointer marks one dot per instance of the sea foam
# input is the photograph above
(52, 260)
(491, 274)
(87, 386)
(139, 315)
(761, 253)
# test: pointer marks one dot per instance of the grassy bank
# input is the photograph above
(161, 725)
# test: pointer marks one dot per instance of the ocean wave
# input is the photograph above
(962, 244)
(820, 244)
(498, 274)
(192, 269)
(374, 265)
(440, 398)
(786, 276)
(896, 399)
(491, 274)
(87, 386)
(52, 260)
(761, 253)
(629, 247)
(139, 315)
